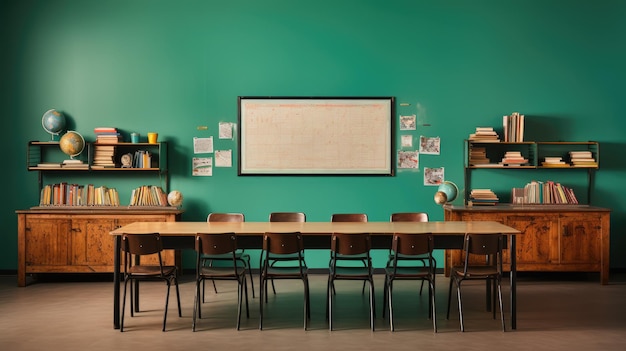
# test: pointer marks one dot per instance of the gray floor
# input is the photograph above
(554, 313)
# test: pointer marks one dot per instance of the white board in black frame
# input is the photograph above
(315, 135)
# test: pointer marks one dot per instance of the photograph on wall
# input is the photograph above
(202, 166)
(408, 159)
(408, 122)
(223, 158)
(225, 130)
(202, 145)
(430, 145)
(407, 140)
(433, 176)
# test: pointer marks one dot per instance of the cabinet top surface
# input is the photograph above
(101, 210)
(526, 208)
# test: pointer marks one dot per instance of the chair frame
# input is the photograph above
(282, 248)
(242, 256)
(345, 247)
(135, 246)
(489, 246)
(219, 244)
(408, 263)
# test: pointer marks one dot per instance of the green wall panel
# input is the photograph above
(171, 66)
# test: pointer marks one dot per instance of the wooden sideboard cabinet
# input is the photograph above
(556, 238)
(70, 240)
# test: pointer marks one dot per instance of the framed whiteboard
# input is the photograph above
(311, 135)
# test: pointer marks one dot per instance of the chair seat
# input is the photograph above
(151, 271)
(408, 272)
(217, 272)
(347, 272)
(286, 272)
(238, 255)
(478, 272)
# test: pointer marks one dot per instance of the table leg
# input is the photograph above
(116, 281)
(513, 281)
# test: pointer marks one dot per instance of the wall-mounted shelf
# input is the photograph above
(46, 157)
(493, 155)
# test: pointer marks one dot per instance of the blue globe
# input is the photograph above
(447, 192)
(53, 122)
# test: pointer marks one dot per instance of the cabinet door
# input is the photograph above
(536, 243)
(47, 242)
(579, 239)
(92, 245)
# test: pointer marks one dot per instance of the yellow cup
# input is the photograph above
(152, 138)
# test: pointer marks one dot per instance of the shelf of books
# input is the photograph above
(107, 154)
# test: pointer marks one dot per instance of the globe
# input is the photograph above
(53, 122)
(446, 192)
(175, 198)
(72, 143)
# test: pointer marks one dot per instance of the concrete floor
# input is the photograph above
(573, 312)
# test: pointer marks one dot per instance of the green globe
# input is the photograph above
(72, 143)
(53, 122)
(447, 192)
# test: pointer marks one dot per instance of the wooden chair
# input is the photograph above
(242, 256)
(345, 248)
(351, 217)
(219, 245)
(283, 258)
(488, 246)
(408, 252)
(135, 246)
(409, 217)
(285, 217)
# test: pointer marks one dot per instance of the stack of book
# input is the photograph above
(103, 156)
(64, 194)
(142, 159)
(513, 126)
(513, 158)
(483, 197)
(478, 156)
(582, 159)
(107, 135)
(485, 135)
(548, 192)
(554, 161)
(148, 195)
(74, 164)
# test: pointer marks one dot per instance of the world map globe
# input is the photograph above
(175, 198)
(53, 122)
(446, 192)
(72, 143)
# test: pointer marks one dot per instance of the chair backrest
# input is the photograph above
(412, 244)
(216, 244)
(225, 217)
(409, 217)
(283, 243)
(141, 245)
(287, 217)
(348, 217)
(484, 245)
(350, 244)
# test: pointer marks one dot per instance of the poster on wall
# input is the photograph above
(433, 176)
(325, 135)
(202, 167)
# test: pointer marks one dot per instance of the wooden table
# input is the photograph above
(447, 235)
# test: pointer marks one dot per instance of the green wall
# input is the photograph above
(170, 66)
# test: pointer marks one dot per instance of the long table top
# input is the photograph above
(316, 228)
